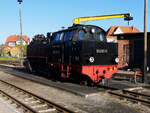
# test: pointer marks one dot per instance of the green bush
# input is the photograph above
(8, 58)
(24, 49)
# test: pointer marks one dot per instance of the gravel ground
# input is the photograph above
(96, 103)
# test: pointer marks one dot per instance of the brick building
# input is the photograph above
(136, 48)
(123, 45)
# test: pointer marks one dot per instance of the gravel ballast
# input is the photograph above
(5, 107)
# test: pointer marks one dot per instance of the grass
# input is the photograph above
(8, 58)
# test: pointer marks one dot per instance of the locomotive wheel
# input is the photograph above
(86, 81)
(105, 82)
(28, 67)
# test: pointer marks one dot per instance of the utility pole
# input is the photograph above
(20, 37)
(145, 43)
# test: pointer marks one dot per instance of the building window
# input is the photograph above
(11, 44)
(18, 42)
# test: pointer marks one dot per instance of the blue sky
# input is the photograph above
(42, 16)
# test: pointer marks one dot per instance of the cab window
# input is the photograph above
(67, 35)
(61, 36)
(101, 36)
(57, 37)
(81, 34)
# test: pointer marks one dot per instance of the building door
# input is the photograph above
(125, 54)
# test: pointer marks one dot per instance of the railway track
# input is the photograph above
(11, 62)
(132, 96)
(27, 102)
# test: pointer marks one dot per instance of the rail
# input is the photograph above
(133, 96)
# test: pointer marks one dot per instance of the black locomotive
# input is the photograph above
(80, 52)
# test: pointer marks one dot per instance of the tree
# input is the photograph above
(1, 47)
(24, 49)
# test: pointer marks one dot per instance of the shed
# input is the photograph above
(135, 50)
(123, 45)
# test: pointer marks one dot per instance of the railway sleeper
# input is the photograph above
(39, 106)
(47, 110)
(32, 102)
(44, 108)
(30, 98)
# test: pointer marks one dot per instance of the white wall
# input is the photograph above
(118, 31)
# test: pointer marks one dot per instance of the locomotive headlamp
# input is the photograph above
(117, 60)
(147, 68)
(91, 59)
(85, 29)
(92, 30)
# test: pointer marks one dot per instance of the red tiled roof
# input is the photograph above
(14, 38)
(124, 29)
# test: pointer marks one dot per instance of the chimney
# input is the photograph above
(132, 28)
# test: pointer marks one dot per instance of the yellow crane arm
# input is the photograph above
(126, 16)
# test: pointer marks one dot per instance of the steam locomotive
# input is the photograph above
(80, 52)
